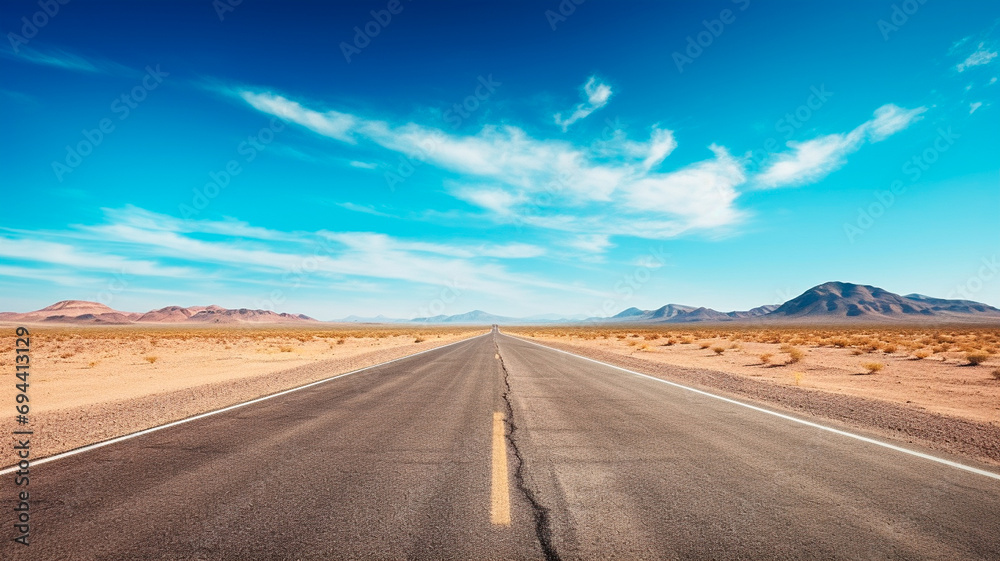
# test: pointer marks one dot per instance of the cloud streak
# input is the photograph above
(982, 55)
(812, 160)
(65, 60)
(596, 95)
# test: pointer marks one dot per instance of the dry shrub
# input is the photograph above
(921, 354)
(704, 345)
(794, 355)
(151, 359)
(419, 340)
(873, 367)
(285, 349)
(976, 358)
(719, 350)
(766, 358)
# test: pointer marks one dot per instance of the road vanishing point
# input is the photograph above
(499, 448)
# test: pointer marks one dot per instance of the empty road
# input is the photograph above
(497, 448)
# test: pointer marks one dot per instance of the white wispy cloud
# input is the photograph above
(365, 209)
(648, 261)
(591, 243)
(548, 183)
(65, 60)
(188, 251)
(973, 106)
(328, 123)
(890, 119)
(814, 159)
(982, 55)
(615, 187)
(68, 255)
(596, 95)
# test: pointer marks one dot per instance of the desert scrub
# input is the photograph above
(872, 367)
(718, 350)
(975, 359)
(921, 354)
(704, 345)
(419, 340)
(766, 358)
(151, 359)
(285, 349)
(794, 355)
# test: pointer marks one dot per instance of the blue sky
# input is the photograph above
(517, 157)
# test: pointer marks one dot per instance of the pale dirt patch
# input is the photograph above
(92, 384)
(949, 388)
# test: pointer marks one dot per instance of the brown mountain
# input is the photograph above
(843, 301)
(72, 311)
(83, 312)
(174, 314)
(214, 314)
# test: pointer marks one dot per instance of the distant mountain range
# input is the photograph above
(832, 302)
(83, 312)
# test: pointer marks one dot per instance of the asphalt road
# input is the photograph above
(495, 448)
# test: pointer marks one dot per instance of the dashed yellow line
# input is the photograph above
(500, 494)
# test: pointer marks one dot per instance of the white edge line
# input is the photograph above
(949, 463)
(129, 436)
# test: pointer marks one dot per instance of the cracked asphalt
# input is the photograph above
(394, 462)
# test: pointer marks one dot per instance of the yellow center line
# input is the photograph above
(500, 494)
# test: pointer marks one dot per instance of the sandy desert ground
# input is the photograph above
(939, 387)
(89, 384)
(926, 369)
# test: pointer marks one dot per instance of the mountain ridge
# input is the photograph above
(830, 302)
